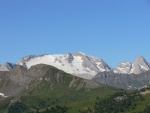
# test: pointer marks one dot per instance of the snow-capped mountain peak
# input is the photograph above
(77, 63)
(140, 65)
(80, 64)
(124, 67)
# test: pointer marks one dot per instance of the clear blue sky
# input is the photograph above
(114, 30)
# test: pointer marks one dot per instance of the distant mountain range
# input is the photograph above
(43, 81)
(125, 81)
(80, 64)
(138, 66)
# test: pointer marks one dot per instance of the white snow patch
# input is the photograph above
(144, 68)
(1, 94)
(59, 61)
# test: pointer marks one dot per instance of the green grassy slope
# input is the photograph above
(50, 87)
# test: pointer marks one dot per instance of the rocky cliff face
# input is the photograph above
(140, 65)
(6, 66)
(126, 81)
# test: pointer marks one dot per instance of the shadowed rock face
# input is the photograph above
(87, 62)
(69, 58)
(6, 66)
(19, 79)
(126, 81)
(27, 58)
(93, 63)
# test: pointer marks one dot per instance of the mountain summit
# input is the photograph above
(138, 66)
(78, 63)
(6, 66)
(124, 68)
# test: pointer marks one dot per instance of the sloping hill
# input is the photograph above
(44, 86)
